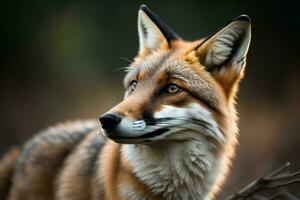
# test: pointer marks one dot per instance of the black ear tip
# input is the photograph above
(143, 7)
(243, 18)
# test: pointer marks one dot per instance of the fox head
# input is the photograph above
(180, 90)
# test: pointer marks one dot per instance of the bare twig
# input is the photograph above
(279, 170)
(277, 179)
(284, 195)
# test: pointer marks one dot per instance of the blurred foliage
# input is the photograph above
(61, 60)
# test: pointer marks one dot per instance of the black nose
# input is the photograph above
(109, 121)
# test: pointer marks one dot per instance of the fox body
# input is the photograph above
(172, 137)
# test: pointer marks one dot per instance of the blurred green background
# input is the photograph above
(60, 61)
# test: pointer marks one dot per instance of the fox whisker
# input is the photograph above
(170, 120)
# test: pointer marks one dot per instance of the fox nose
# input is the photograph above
(109, 121)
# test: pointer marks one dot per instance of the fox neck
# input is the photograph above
(177, 170)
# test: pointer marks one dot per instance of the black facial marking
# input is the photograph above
(147, 114)
(208, 103)
(155, 133)
(147, 135)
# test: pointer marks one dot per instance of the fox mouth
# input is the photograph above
(152, 134)
(159, 128)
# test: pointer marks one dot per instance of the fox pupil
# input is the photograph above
(133, 85)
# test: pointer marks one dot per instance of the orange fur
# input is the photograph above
(70, 161)
(110, 162)
(7, 165)
(75, 178)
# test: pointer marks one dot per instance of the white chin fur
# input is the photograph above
(178, 170)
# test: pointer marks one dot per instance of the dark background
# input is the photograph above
(60, 61)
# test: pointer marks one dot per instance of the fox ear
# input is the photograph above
(153, 32)
(224, 53)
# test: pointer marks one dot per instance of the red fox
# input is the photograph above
(172, 137)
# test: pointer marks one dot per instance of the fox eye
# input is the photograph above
(173, 88)
(133, 85)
